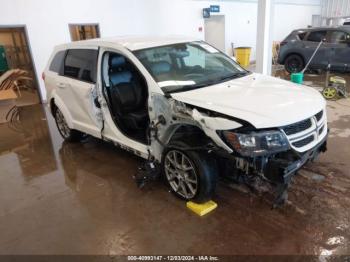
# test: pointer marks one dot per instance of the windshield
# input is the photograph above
(187, 66)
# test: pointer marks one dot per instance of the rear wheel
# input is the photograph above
(294, 64)
(189, 174)
(68, 134)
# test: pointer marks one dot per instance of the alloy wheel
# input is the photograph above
(181, 174)
(62, 124)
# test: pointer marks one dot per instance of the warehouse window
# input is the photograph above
(84, 31)
(81, 64)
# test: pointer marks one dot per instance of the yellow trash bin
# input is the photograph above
(243, 56)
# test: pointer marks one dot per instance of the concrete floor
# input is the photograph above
(59, 198)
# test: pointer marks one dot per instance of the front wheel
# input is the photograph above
(68, 134)
(189, 174)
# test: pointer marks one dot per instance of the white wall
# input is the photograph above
(47, 21)
(289, 17)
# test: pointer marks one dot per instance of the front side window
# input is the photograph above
(339, 37)
(187, 66)
(81, 64)
(317, 36)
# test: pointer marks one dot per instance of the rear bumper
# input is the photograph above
(282, 170)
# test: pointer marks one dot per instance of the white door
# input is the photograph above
(111, 130)
(214, 31)
(77, 88)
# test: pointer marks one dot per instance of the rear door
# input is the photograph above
(339, 43)
(311, 41)
(77, 88)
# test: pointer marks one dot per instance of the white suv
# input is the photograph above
(189, 109)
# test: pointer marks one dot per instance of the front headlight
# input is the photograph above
(257, 143)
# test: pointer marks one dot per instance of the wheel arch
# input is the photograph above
(190, 134)
(205, 166)
(293, 53)
(56, 102)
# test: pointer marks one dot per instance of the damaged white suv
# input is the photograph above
(189, 109)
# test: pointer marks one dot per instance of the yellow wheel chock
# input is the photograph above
(202, 209)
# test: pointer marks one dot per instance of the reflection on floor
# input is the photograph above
(26, 140)
(28, 97)
(61, 198)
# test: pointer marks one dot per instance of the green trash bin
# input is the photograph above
(3, 62)
(297, 78)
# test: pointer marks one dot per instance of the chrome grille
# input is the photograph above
(320, 130)
(306, 133)
(297, 127)
(304, 141)
(319, 116)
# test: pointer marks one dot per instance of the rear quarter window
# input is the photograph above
(295, 35)
(57, 61)
(301, 36)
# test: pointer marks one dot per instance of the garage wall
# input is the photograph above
(47, 22)
(185, 17)
(289, 17)
(146, 17)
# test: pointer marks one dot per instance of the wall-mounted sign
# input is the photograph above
(215, 8)
(206, 12)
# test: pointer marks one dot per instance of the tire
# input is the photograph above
(69, 135)
(203, 175)
(294, 64)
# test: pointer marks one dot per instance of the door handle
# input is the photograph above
(63, 85)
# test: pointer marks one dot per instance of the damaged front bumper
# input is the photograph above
(278, 169)
(275, 169)
(281, 170)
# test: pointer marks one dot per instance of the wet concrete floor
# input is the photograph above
(59, 198)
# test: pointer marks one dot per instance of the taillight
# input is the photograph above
(43, 76)
(283, 43)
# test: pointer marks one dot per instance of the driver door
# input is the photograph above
(339, 43)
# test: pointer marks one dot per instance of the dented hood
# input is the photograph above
(261, 100)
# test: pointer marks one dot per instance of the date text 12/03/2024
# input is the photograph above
(173, 258)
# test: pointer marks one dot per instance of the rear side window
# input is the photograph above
(81, 64)
(317, 36)
(57, 62)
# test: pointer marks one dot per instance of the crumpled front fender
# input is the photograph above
(210, 125)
